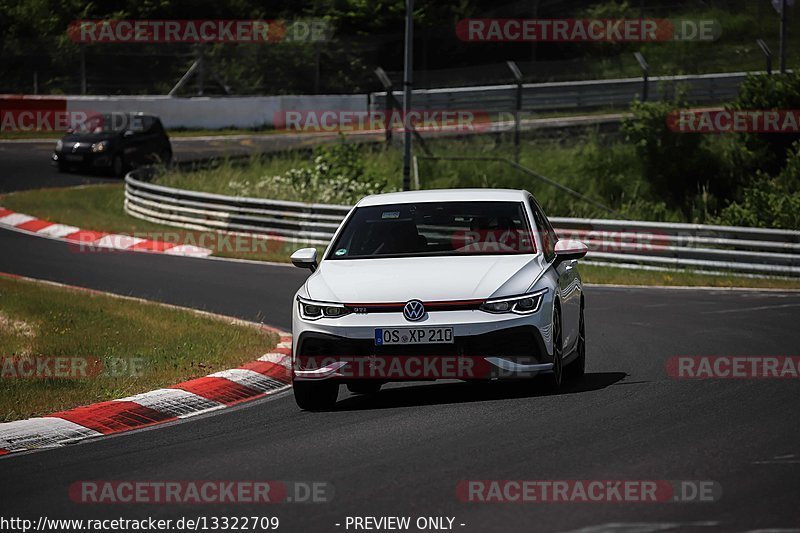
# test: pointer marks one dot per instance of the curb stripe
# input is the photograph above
(44, 432)
(188, 249)
(269, 369)
(58, 230)
(117, 242)
(175, 402)
(278, 359)
(114, 416)
(35, 225)
(219, 390)
(152, 246)
(15, 219)
(85, 236)
(94, 238)
(250, 379)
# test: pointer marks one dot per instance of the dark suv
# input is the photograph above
(114, 142)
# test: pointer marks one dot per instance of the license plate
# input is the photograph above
(71, 157)
(388, 336)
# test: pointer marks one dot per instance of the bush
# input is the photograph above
(336, 176)
(770, 202)
(763, 92)
(675, 165)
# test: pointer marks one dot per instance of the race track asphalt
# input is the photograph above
(403, 451)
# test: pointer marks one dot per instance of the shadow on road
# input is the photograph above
(462, 392)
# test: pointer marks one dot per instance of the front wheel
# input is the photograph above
(315, 395)
(553, 380)
(118, 166)
(577, 368)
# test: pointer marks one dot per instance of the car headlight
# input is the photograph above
(521, 305)
(59, 145)
(311, 310)
(102, 146)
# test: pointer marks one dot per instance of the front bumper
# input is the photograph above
(83, 159)
(486, 346)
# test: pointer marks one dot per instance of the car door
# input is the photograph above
(567, 278)
(133, 142)
(149, 145)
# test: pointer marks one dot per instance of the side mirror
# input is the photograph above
(305, 258)
(570, 250)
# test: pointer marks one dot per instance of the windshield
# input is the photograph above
(111, 122)
(435, 229)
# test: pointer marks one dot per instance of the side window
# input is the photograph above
(147, 124)
(545, 230)
(136, 124)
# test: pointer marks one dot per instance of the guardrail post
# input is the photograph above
(767, 53)
(645, 74)
(518, 107)
(388, 104)
(83, 68)
(408, 80)
(783, 37)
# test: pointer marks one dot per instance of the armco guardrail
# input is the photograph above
(702, 247)
(699, 89)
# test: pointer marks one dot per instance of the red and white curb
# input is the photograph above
(89, 240)
(269, 374)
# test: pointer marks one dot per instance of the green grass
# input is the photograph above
(602, 275)
(572, 161)
(167, 345)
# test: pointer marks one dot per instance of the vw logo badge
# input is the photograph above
(413, 310)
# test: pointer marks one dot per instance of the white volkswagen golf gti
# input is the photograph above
(469, 284)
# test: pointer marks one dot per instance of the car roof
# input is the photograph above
(445, 195)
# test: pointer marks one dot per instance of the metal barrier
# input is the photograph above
(631, 243)
(699, 89)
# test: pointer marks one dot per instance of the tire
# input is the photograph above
(552, 381)
(118, 166)
(364, 387)
(577, 368)
(63, 167)
(315, 395)
(165, 158)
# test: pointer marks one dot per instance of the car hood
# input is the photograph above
(88, 137)
(424, 278)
